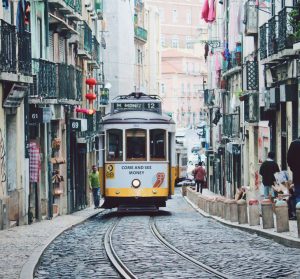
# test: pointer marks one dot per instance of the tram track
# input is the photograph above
(167, 244)
(112, 255)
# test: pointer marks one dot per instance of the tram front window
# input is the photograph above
(158, 144)
(136, 144)
(115, 145)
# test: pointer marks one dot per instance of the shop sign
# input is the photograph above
(78, 124)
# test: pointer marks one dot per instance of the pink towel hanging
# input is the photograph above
(212, 12)
(205, 9)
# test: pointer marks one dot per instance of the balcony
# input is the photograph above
(44, 79)
(232, 65)
(67, 8)
(99, 8)
(251, 108)
(68, 90)
(251, 18)
(252, 75)
(263, 41)
(104, 97)
(231, 125)
(85, 41)
(272, 35)
(140, 34)
(15, 54)
(95, 61)
(285, 29)
(209, 97)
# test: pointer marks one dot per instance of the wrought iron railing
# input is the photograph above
(252, 75)
(96, 50)
(251, 108)
(272, 35)
(231, 125)
(285, 30)
(209, 97)
(7, 47)
(140, 33)
(24, 53)
(263, 41)
(104, 97)
(88, 38)
(79, 84)
(68, 90)
(45, 79)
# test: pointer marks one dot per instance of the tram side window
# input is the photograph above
(136, 144)
(114, 145)
(158, 144)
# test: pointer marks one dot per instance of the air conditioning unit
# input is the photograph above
(251, 18)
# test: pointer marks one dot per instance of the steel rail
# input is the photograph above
(112, 255)
(161, 239)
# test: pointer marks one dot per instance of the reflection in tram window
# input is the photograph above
(114, 145)
(157, 144)
(136, 144)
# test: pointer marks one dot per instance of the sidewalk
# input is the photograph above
(21, 247)
(289, 239)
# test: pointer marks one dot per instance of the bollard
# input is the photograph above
(233, 211)
(227, 210)
(282, 216)
(183, 190)
(298, 217)
(242, 212)
(267, 214)
(254, 219)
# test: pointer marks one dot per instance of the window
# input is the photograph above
(157, 144)
(174, 16)
(175, 42)
(161, 14)
(189, 16)
(136, 145)
(114, 145)
(188, 42)
(162, 40)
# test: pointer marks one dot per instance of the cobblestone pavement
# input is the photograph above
(19, 243)
(231, 251)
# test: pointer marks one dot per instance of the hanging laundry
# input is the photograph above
(34, 162)
(206, 50)
(5, 4)
(212, 12)
(27, 13)
(205, 10)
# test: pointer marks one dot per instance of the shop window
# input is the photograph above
(136, 145)
(115, 145)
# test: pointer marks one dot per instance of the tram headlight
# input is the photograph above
(136, 183)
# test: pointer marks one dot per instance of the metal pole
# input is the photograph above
(50, 194)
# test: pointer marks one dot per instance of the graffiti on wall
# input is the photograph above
(2, 162)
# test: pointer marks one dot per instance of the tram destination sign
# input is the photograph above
(139, 106)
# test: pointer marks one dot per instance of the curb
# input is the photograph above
(28, 269)
(284, 240)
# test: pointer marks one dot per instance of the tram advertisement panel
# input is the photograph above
(150, 175)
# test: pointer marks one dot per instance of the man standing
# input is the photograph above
(199, 175)
(95, 185)
(293, 160)
(267, 170)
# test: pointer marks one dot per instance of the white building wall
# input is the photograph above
(119, 55)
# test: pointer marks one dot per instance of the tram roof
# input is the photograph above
(137, 117)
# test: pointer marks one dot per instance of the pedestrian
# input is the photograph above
(293, 156)
(199, 174)
(95, 185)
(267, 170)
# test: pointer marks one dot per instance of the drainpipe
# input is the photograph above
(49, 167)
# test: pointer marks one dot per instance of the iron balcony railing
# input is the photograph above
(24, 53)
(79, 84)
(44, 79)
(272, 35)
(96, 50)
(68, 90)
(231, 125)
(140, 33)
(209, 97)
(88, 38)
(251, 108)
(285, 29)
(74, 4)
(7, 47)
(252, 75)
(263, 41)
(104, 97)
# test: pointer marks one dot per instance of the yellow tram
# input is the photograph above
(138, 164)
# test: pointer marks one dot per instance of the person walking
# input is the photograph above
(199, 175)
(293, 156)
(95, 185)
(267, 170)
